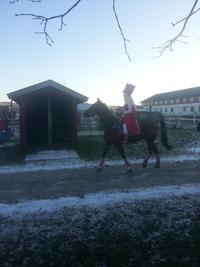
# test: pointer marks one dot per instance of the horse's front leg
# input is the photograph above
(122, 154)
(157, 165)
(101, 162)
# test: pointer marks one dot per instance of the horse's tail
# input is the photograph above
(198, 127)
(164, 138)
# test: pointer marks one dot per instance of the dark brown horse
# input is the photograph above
(148, 122)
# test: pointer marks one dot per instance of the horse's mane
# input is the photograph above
(109, 111)
(108, 114)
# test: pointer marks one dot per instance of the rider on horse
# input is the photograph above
(130, 125)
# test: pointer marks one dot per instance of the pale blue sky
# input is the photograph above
(88, 55)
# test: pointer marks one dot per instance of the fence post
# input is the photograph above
(194, 120)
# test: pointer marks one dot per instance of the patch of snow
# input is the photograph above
(52, 155)
(195, 149)
(74, 163)
(69, 159)
(96, 200)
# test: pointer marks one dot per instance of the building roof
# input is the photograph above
(4, 104)
(83, 107)
(39, 87)
(184, 93)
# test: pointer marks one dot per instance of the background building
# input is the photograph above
(180, 107)
(186, 101)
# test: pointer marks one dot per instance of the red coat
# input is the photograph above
(2, 124)
(130, 118)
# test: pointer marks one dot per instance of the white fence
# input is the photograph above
(182, 121)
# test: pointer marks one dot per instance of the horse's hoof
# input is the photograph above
(98, 169)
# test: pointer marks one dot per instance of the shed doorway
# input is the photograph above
(48, 121)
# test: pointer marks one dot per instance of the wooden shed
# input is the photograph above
(48, 113)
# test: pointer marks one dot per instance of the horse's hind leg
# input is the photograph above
(101, 162)
(157, 165)
(146, 158)
(152, 147)
(145, 161)
(122, 154)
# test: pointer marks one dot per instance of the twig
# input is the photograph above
(121, 31)
(169, 44)
(45, 20)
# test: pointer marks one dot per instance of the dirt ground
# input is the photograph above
(61, 183)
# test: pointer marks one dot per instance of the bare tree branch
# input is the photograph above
(45, 20)
(174, 24)
(121, 31)
(169, 44)
(15, 1)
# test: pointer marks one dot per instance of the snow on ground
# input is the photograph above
(133, 226)
(69, 159)
(31, 230)
(95, 200)
(98, 199)
(52, 155)
(195, 149)
(74, 163)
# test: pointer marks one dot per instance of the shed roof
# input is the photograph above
(39, 87)
(184, 93)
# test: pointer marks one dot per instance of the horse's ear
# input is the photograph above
(98, 100)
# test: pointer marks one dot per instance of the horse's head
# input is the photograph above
(95, 109)
(100, 109)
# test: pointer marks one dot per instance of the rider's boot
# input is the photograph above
(125, 140)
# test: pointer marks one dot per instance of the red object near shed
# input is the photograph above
(48, 113)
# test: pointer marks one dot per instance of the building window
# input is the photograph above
(192, 109)
(177, 100)
(184, 100)
(171, 101)
(171, 109)
(199, 108)
(166, 101)
(160, 109)
(184, 109)
(191, 99)
(166, 109)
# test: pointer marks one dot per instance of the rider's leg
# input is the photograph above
(125, 131)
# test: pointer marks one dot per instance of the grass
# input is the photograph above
(148, 233)
(91, 147)
(11, 155)
(156, 233)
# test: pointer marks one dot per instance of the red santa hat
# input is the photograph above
(129, 88)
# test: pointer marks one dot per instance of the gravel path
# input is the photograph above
(77, 182)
